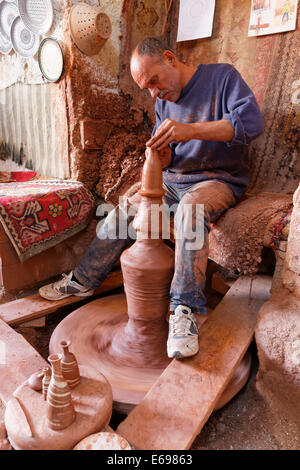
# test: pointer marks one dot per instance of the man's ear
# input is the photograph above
(169, 58)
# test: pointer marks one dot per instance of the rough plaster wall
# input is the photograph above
(278, 333)
(33, 111)
(88, 88)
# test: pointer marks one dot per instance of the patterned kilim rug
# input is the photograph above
(37, 215)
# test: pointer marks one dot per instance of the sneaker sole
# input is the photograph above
(179, 355)
(64, 296)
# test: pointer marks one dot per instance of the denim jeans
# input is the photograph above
(187, 287)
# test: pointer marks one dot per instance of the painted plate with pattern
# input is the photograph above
(51, 59)
(24, 41)
(37, 15)
(8, 12)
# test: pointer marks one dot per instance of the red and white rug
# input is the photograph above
(37, 215)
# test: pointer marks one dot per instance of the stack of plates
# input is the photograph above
(20, 26)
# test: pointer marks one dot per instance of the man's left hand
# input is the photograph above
(170, 131)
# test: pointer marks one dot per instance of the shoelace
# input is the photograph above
(63, 283)
(181, 325)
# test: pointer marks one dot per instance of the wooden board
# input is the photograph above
(36, 323)
(180, 402)
(18, 360)
(34, 306)
(221, 285)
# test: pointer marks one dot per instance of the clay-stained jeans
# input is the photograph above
(187, 287)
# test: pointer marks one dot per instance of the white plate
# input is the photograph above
(51, 59)
(5, 44)
(24, 42)
(37, 15)
(8, 12)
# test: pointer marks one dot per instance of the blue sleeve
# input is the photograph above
(240, 108)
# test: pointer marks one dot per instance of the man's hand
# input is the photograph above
(173, 131)
(170, 131)
(165, 156)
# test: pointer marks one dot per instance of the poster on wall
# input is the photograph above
(272, 16)
(195, 19)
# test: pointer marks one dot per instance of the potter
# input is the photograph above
(206, 117)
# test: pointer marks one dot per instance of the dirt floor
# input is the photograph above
(246, 423)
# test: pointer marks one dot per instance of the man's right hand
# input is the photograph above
(165, 156)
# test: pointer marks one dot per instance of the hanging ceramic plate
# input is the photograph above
(5, 44)
(8, 12)
(25, 42)
(51, 59)
(37, 15)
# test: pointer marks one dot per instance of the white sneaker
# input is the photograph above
(64, 288)
(183, 333)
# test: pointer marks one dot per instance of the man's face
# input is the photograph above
(161, 79)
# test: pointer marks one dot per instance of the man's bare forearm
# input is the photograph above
(220, 131)
(173, 131)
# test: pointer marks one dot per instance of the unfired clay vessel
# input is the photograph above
(69, 366)
(60, 410)
(35, 380)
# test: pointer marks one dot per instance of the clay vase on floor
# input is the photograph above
(46, 381)
(60, 410)
(69, 366)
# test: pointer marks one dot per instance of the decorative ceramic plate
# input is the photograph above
(8, 12)
(25, 42)
(5, 44)
(37, 15)
(51, 59)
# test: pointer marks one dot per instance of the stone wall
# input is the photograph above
(278, 334)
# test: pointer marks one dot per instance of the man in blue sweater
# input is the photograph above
(206, 116)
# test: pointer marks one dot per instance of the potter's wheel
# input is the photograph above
(92, 329)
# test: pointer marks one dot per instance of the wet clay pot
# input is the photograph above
(69, 366)
(147, 268)
(60, 410)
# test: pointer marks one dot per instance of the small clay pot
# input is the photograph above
(35, 380)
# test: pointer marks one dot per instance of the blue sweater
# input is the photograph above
(215, 91)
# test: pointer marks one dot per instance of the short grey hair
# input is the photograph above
(152, 47)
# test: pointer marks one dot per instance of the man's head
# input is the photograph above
(154, 66)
